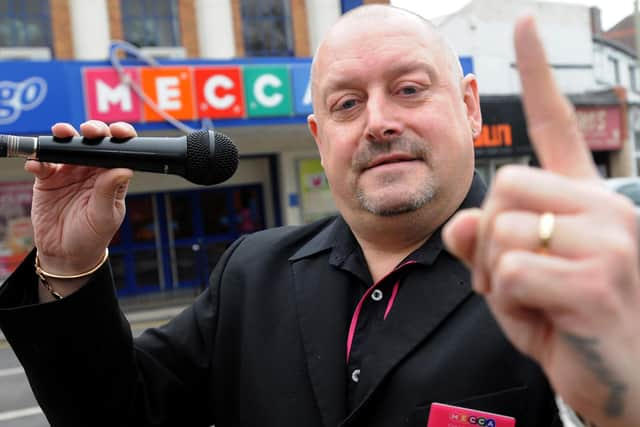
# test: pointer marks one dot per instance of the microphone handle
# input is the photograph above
(148, 154)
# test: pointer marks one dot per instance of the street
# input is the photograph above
(18, 407)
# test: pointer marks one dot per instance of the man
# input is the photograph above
(364, 319)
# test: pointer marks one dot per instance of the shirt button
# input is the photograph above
(355, 375)
(376, 295)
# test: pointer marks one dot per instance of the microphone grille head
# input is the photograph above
(211, 157)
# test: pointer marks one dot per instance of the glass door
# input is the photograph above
(173, 240)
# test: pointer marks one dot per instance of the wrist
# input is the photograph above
(56, 265)
(59, 285)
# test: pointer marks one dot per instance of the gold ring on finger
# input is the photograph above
(545, 229)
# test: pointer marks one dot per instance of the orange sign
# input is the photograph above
(170, 88)
(498, 135)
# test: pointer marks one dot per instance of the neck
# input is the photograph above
(385, 241)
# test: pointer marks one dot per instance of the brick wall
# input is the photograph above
(62, 39)
(115, 20)
(188, 27)
(300, 28)
(236, 12)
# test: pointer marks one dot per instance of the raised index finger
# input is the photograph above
(551, 121)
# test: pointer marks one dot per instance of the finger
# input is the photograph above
(551, 121)
(106, 206)
(63, 130)
(122, 130)
(526, 280)
(94, 129)
(43, 170)
(459, 234)
(519, 230)
(39, 169)
(518, 187)
(523, 188)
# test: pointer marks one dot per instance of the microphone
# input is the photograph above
(204, 157)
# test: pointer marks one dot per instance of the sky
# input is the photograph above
(612, 10)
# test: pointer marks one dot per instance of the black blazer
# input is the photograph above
(264, 345)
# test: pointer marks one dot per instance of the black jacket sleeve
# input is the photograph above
(85, 368)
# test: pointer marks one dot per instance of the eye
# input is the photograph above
(347, 104)
(408, 90)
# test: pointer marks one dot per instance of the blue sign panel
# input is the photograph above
(301, 89)
(347, 5)
(35, 95)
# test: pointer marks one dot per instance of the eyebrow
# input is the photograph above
(402, 68)
(398, 69)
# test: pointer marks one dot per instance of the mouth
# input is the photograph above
(389, 159)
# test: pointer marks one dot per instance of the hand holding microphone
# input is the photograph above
(77, 209)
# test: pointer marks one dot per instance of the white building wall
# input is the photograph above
(484, 30)
(90, 29)
(215, 29)
(321, 14)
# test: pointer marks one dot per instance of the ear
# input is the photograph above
(313, 126)
(471, 99)
(312, 123)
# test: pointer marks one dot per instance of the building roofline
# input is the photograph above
(615, 45)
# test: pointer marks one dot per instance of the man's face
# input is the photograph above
(390, 119)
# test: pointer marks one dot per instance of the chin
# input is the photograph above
(387, 208)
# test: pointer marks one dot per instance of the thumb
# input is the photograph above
(107, 200)
(460, 233)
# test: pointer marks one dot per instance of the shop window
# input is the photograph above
(248, 211)
(215, 212)
(25, 23)
(151, 23)
(181, 215)
(142, 219)
(186, 264)
(146, 268)
(267, 27)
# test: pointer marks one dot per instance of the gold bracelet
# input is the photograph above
(44, 274)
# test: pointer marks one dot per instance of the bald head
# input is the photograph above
(383, 16)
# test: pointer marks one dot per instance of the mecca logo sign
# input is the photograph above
(198, 92)
(16, 97)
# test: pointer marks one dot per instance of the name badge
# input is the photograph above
(442, 415)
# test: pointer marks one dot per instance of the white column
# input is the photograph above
(321, 14)
(214, 19)
(90, 29)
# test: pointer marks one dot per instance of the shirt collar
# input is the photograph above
(338, 238)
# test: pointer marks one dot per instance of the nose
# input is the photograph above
(383, 124)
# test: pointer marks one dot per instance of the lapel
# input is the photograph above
(425, 300)
(321, 297)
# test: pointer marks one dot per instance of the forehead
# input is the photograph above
(371, 48)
